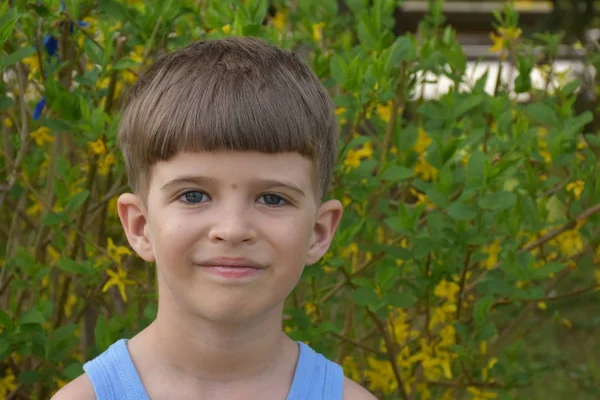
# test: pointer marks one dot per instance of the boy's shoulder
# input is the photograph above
(353, 391)
(80, 389)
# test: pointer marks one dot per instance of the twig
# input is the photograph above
(539, 242)
(72, 21)
(463, 279)
(358, 344)
(548, 298)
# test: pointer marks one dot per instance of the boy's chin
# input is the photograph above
(237, 314)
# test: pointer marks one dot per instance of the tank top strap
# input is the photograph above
(316, 378)
(114, 376)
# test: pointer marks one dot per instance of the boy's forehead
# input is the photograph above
(236, 167)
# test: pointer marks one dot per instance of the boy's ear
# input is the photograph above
(328, 219)
(135, 223)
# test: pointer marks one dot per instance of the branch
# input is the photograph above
(539, 242)
(548, 298)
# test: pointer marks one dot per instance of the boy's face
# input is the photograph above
(259, 207)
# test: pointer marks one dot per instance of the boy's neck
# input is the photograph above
(218, 353)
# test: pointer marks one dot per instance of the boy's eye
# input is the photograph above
(192, 197)
(274, 200)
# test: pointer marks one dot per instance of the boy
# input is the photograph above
(229, 146)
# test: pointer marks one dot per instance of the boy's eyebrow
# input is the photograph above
(204, 180)
(275, 183)
(188, 180)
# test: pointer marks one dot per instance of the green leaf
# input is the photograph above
(29, 377)
(481, 309)
(476, 167)
(547, 269)
(462, 212)
(403, 49)
(467, 103)
(4, 346)
(125, 63)
(16, 56)
(487, 331)
(6, 102)
(7, 23)
(60, 335)
(543, 114)
(73, 370)
(76, 201)
(102, 334)
(364, 297)
(501, 200)
(339, 69)
(397, 173)
(54, 219)
(95, 53)
(72, 266)
(400, 300)
(32, 317)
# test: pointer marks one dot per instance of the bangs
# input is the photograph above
(229, 110)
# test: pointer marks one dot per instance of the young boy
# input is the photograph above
(229, 146)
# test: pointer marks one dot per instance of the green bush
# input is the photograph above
(465, 217)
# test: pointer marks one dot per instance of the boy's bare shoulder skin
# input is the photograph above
(353, 391)
(80, 388)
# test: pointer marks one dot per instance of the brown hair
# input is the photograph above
(237, 93)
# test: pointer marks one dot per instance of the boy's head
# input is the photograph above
(237, 93)
(230, 147)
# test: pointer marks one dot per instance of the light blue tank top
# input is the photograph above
(114, 377)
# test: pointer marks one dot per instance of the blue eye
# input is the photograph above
(192, 197)
(273, 200)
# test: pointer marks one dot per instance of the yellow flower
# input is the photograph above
(493, 250)
(33, 62)
(423, 141)
(71, 302)
(116, 252)
(384, 111)
(425, 170)
(355, 156)
(112, 207)
(542, 305)
(317, 31)
(279, 20)
(8, 383)
(380, 376)
(506, 35)
(570, 242)
(42, 135)
(53, 254)
(511, 33)
(576, 187)
(446, 290)
(35, 208)
(8, 122)
(350, 368)
(105, 163)
(498, 43)
(341, 111)
(118, 279)
(481, 395)
(98, 147)
(226, 29)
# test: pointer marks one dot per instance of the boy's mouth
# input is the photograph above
(231, 267)
(230, 263)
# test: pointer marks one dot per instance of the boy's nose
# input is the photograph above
(232, 227)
